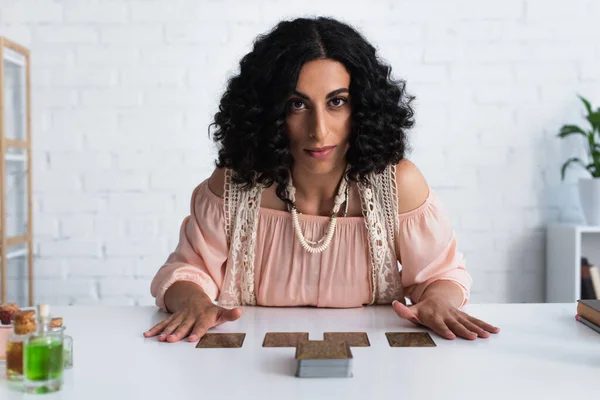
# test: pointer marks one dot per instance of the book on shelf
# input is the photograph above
(595, 275)
(587, 323)
(590, 280)
(589, 311)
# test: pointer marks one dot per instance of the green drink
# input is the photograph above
(44, 359)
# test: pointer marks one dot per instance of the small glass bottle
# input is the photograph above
(43, 356)
(7, 316)
(23, 326)
(57, 325)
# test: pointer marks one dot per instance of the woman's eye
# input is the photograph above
(296, 105)
(338, 102)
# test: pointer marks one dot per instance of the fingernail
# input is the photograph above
(395, 301)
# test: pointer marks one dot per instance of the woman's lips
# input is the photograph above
(320, 152)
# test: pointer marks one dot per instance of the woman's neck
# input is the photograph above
(315, 193)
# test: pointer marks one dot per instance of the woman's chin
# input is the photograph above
(321, 168)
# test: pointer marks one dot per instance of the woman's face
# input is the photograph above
(318, 116)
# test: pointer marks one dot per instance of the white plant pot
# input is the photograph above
(589, 199)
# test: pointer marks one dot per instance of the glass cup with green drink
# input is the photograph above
(43, 356)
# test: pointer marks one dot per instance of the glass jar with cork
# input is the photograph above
(56, 325)
(23, 326)
(7, 313)
(43, 356)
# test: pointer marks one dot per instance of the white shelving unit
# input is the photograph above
(565, 245)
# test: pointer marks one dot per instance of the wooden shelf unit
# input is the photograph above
(16, 212)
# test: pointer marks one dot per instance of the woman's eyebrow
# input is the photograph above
(336, 92)
(329, 95)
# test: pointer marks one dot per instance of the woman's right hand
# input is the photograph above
(192, 321)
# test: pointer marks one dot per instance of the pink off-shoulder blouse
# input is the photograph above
(288, 275)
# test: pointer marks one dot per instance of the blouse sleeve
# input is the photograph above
(201, 253)
(428, 250)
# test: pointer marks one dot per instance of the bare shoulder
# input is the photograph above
(216, 182)
(413, 188)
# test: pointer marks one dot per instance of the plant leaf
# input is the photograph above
(591, 144)
(593, 169)
(595, 151)
(570, 161)
(594, 119)
(567, 130)
(587, 104)
(596, 156)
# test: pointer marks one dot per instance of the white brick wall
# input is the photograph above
(123, 92)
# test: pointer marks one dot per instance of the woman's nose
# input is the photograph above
(320, 128)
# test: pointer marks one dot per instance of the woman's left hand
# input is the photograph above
(438, 314)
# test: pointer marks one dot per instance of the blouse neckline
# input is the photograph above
(318, 218)
(284, 214)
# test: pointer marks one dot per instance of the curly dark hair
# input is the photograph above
(250, 124)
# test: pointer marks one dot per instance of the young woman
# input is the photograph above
(313, 202)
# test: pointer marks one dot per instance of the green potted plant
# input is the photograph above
(589, 187)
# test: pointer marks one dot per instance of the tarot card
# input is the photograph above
(221, 340)
(410, 339)
(323, 350)
(354, 339)
(284, 339)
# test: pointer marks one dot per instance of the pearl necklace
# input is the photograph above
(309, 245)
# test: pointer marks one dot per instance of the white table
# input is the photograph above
(540, 353)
